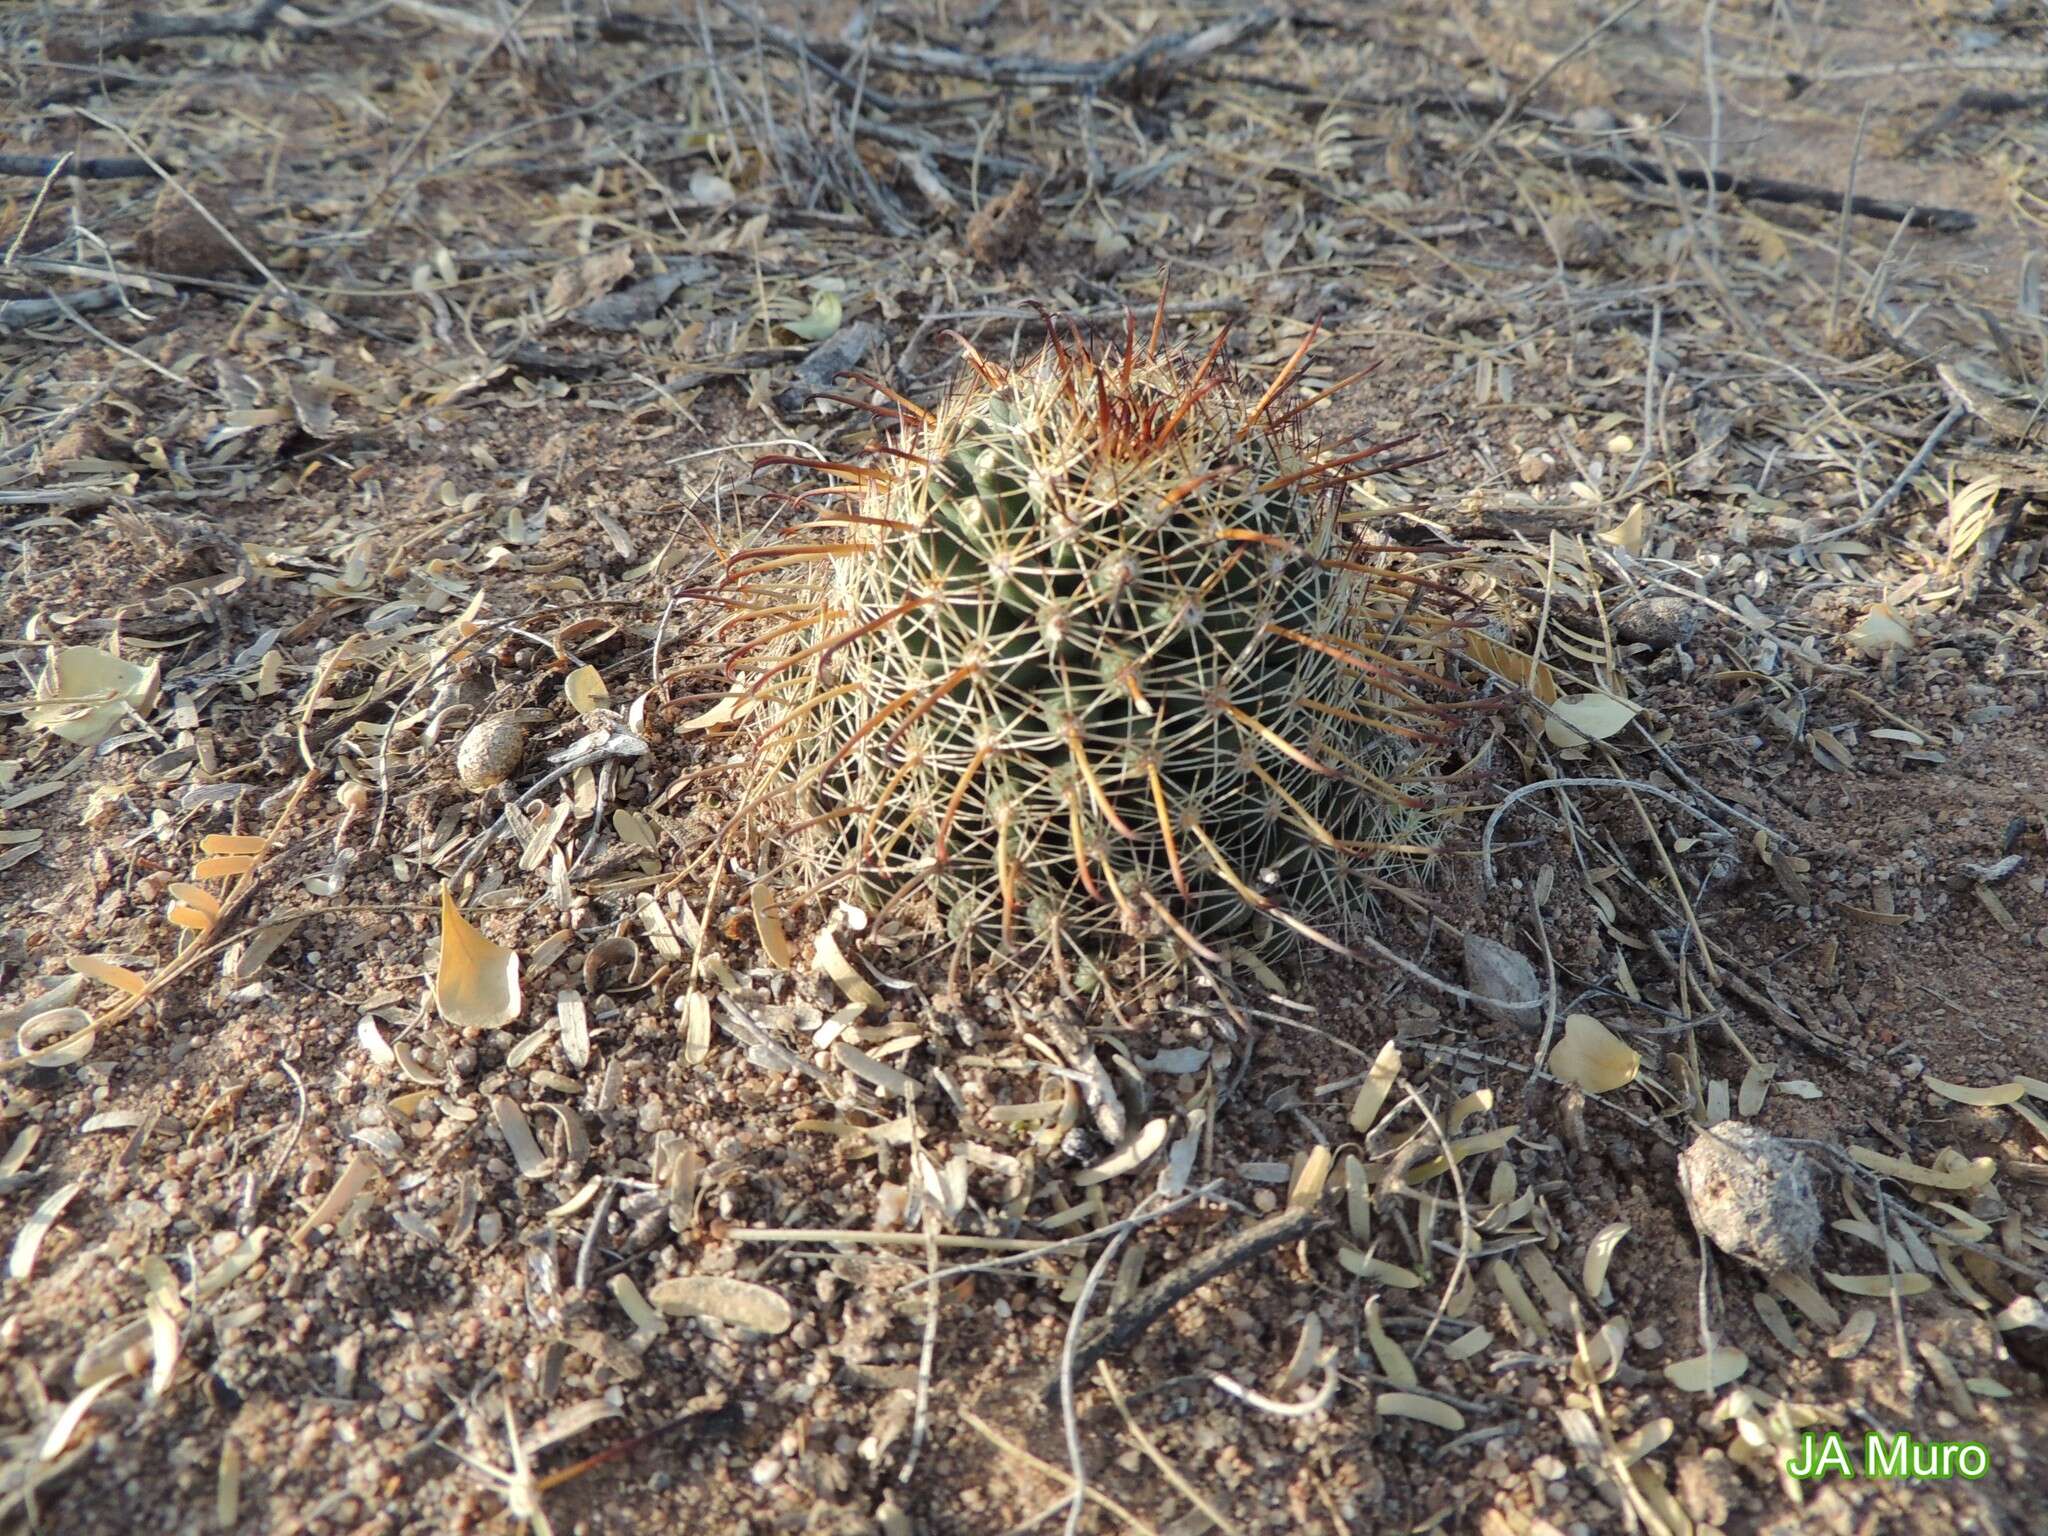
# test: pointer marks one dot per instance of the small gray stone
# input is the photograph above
(1752, 1195)
(1658, 622)
(1506, 980)
(1582, 241)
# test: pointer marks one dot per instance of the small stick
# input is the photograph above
(1763, 189)
(1842, 232)
(19, 314)
(253, 22)
(1122, 1327)
(92, 168)
(1913, 467)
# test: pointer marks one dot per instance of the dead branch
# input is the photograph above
(1993, 102)
(1759, 189)
(19, 314)
(91, 168)
(1122, 1327)
(253, 22)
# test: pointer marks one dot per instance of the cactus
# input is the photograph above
(1087, 652)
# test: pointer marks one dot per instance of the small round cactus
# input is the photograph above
(1089, 651)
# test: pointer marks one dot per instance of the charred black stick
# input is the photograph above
(1123, 1326)
(90, 168)
(1763, 189)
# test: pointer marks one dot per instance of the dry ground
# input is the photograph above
(352, 460)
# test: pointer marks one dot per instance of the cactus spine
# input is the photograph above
(1087, 651)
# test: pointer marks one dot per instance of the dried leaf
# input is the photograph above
(59, 1437)
(1377, 1270)
(477, 984)
(117, 976)
(21, 1262)
(738, 1302)
(85, 692)
(355, 1178)
(1971, 1175)
(1593, 1057)
(1579, 718)
(821, 322)
(1630, 534)
(768, 926)
(1513, 666)
(1410, 1405)
(585, 690)
(1983, 1098)
(1379, 1082)
(233, 844)
(856, 987)
(1709, 1372)
(1394, 1362)
(518, 1133)
(1599, 1254)
(1880, 631)
(1133, 1155)
(1879, 1285)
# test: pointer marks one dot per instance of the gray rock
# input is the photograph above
(1505, 979)
(1658, 622)
(1752, 1195)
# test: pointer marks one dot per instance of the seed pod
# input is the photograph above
(490, 752)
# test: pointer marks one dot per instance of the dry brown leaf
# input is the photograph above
(738, 1302)
(1410, 1405)
(1593, 1057)
(1708, 1372)
(1379, 1082)
(585, 690)
(477, 984)
(85, 692)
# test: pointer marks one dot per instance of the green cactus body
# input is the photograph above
(1099, 665)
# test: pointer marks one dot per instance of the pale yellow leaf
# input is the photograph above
(1983, 1098)
(1707, 1373)
(738, 1302)
(585, 690)
(833, 962)
(768, 926)
(1879, 1285)
(1880, 631)
(85, 692)
(117, 976)
(1379, 1082)
(477, 984)
(1412, 1405)
(1592, 1056)
(229, 842)
(1578, 718)
(1971, 1175)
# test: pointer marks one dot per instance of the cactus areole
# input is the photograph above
(1089, 653)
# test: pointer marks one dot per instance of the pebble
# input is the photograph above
(490, 752)
(1502, 976)
(1752, 1195)
(1658, 622)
